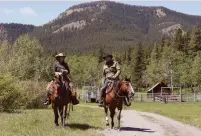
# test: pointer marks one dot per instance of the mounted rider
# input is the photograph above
(111, 71)
(60, 70)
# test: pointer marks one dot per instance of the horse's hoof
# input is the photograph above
(107, 124)
(56, 125)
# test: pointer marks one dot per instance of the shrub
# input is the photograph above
(34, 94)
(10, 93)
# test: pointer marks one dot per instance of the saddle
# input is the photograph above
(112, 84)
(53, 90)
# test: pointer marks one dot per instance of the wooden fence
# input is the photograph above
(190, 97)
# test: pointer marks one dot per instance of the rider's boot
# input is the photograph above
(101, 98)
(47, 100)
(127, 101)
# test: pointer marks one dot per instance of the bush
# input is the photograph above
(34, 94)
(36, 102)
(10, 94)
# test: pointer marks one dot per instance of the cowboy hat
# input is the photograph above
(60, 55)
(107, 55)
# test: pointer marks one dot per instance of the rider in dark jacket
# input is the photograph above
(59, 67)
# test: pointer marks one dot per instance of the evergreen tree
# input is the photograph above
(154, 69)
(163, 41)
(138, 65)
(186, 41)
(178, 40)
(100, 54)
(129, 52)
(195, 43)
(155, 54)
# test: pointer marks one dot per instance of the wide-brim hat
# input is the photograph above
(60, 55)
(107, 55)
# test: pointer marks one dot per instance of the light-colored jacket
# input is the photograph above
(112, 71)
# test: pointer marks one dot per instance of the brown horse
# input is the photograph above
(115, 96)
(60, 99)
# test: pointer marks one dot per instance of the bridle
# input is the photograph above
(119, 90)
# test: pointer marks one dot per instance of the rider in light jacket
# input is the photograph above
(111, 71)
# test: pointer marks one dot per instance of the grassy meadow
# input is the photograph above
(82, 121)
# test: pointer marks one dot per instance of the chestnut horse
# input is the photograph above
(115, 96)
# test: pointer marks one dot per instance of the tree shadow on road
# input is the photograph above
(137, 129)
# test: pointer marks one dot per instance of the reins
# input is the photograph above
(117, 93)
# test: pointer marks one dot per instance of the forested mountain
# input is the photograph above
(10, 32)
(110, 25)
(103, 24)
(87, 31)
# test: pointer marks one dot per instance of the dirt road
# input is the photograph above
(149, 124)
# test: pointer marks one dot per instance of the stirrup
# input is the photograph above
(127, 104)
(101, 102)
(46, 103)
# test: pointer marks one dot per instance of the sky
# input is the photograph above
(38, 13)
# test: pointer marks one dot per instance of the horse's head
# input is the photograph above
(126, 87)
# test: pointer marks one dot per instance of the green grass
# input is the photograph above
(83, 121)
(189, 113)
(89, 104)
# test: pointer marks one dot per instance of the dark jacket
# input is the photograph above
(59, 66)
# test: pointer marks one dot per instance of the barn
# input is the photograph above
(158, 90)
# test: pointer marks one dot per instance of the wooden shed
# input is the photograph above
(158, 90)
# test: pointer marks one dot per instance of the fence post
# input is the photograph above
(140, 97)
(180, 94)
(153, 96)
(194, 96)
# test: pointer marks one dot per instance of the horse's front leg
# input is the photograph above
(106, 115)
(112, 113)
(68, 111)
(62, 114)
(56, 115)
(64, 111)
(119, 119)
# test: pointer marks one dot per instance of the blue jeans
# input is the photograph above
(103, 89)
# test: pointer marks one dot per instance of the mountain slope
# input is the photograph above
(113, 26)
(10, 32)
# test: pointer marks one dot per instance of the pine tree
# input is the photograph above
(100, 54)
(178, 40)
(154, 68)
(186, 41)
(163, 40)
(138, 65)
(155, 54)
(195, 43)
(129, 55)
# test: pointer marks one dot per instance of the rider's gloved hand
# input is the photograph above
(64, 71)
(114, 77)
